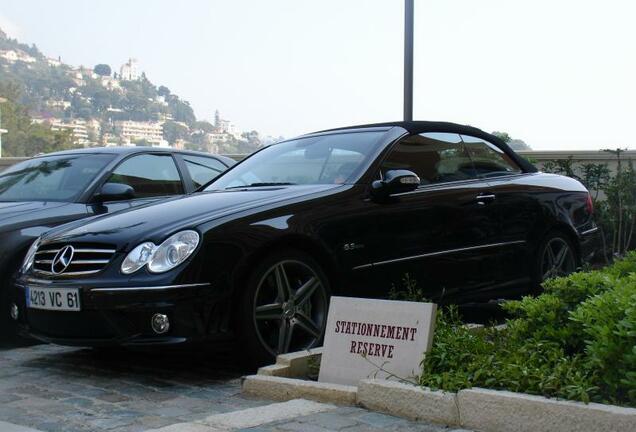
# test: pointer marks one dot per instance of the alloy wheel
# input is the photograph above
(557, 259)
(290, 308)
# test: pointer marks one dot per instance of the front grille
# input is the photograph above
(85, 259)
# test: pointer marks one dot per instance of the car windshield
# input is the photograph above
(51, 178)
(324, 159)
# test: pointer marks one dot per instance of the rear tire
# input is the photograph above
(283, 308)
(556, 257)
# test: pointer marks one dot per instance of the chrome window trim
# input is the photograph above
(590, 231)
(438, 186)
(438, 253)
(149, 288)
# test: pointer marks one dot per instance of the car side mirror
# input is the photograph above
(395, 182)
(115, 192)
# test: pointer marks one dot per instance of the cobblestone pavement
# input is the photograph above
(53, 389)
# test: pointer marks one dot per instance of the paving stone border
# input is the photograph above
(283, 389)
(478, 409)
(407, 400)
(503, 411)
(292, 365)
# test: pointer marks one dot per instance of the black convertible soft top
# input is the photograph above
(418, 126)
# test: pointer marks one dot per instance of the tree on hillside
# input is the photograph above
(203, 125)
(181, 111)
(24, 138)
(142, 143)
(504, 136)
(163, 91)
(173, 131)
(514, 143)
(102, 69)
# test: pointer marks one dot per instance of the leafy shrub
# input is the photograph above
(608, 321)
(407, 290)
(546, 318)
(490, 358)
(577, 341)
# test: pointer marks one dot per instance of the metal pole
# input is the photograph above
(2, 100)
(408, 60)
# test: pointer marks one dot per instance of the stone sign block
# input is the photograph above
(375, 339)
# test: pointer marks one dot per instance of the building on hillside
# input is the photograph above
(225, 126)
(110, 83)
(164, 117)
(13, 56)
(77, 128)
(179, 144)
(94, 130)
(109, 140)
(58, 103)
(129, 71)
(134, 131)
(77, 77)
(54, 62)
(217, 137)
(87, 72)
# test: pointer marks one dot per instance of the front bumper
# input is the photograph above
(122, 315)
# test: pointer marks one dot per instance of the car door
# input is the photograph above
(516, 209)
(441, 234)
(153, 176)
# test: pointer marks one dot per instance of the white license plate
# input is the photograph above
(61, 299)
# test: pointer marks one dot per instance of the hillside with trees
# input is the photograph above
(88, 106)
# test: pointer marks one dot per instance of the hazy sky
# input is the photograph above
(559, 74)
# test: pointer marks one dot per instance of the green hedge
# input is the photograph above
(576, 341)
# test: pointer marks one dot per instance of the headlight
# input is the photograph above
(173, 251)
(138, 257)
(169, 254)
(30, 256)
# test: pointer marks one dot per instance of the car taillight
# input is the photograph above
(589, 204)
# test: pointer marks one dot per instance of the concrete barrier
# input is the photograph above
(477, 409)
(285, 389)
(409, 401)
(503, 411)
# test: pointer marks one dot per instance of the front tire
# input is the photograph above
(284, 306)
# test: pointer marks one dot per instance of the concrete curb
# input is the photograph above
(292, 365)
(478, 409)
(284, 389)
(407, 400)
(503, 411)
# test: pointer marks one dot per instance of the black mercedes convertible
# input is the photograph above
(256, 255)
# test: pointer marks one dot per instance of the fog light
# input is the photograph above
(160, 323)
(14, 312)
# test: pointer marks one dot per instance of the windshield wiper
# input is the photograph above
(261, 185)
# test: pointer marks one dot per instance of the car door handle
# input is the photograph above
(483, 199)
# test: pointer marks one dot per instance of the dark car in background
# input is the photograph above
(257, 254)
(49, 190)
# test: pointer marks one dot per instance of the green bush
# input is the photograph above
(577, 341)
(608, 321)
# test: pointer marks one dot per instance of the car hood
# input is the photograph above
(155, 221)
(24, 212)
